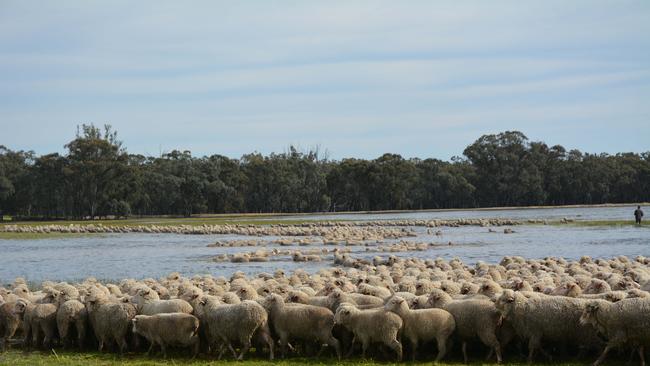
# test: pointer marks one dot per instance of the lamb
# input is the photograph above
(474, 318)
(423, 325)
(9, 323)
(72, 313)
(110, 320)
(375, 325)
(148, 303)
(553, 318)
(236, 322)
(168, 329)
(304, 322)
(625, 321)
(37, 318)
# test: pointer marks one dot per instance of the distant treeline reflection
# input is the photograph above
(97, 177)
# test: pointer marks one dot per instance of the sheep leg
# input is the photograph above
(442, 348)
(533, 344)
(36, 334)
(163, 349)
(81, 333)
(246, 345)
(603, 355)
(351, 350)
(546, 354)
(337, 346)
(490, 339)
(48, 333)
(222, 349)
(283, 344)
(232, 349)
(269, 341)
(196, 344)
(150, 349)
(489, 354)
(121, 344)
(641, 355)
(464, 351)
(414, 347)
(397, 347)
(364, 348)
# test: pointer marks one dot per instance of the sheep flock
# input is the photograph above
(390, 308)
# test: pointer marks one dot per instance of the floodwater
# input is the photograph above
(117, 256)
(551, 214)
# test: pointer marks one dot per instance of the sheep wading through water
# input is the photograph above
(551, 305)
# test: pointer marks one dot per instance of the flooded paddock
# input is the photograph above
(139, 255)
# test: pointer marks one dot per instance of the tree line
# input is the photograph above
(97, 177)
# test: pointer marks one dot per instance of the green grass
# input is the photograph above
(18, 358)
(35, 236)
(194, 221)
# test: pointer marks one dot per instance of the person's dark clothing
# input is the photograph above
(638, 214)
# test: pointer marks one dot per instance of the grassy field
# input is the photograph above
(194, 221)
(612, 223)
(18, 358)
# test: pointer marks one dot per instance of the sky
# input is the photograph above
(352, 78)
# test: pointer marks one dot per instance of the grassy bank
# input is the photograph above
(33, 236)
(19, 358)
(167, 221)
(610, 223)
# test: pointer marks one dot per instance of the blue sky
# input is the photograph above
(355, 78)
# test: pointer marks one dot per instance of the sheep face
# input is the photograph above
(51, 296)
(396, 304)
(506, 303)
(134, 321)
(19, 308)
(342, 315)
(589, 314)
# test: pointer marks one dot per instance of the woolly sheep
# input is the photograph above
(72, 313)
(110, 320)
(474, 318)
(168, 329)
(147, 303)
(9, 323)
(302, 322)
(553, 318)
(623, 322)
(375, 325)
(37, 319)
(423, 325)
(236, 322)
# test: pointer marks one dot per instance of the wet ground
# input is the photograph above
(115, 256)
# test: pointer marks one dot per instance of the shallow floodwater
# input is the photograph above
(117, 256)
(553, 214)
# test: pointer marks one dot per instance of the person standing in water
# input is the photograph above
(638, 214)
